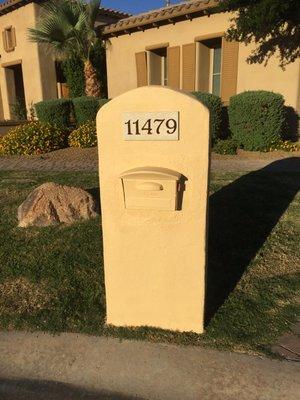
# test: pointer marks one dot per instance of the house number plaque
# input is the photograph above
(151, 125)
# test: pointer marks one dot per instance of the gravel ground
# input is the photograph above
(72, 159)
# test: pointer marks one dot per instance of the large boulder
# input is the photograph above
(51, 203)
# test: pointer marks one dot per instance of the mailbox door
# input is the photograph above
(150, 189)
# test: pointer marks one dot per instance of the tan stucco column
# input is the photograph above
(154, 167)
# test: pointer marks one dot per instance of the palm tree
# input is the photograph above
(68, 28)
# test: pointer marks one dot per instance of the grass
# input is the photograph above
(52, 278)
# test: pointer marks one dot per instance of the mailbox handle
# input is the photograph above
(150, 186)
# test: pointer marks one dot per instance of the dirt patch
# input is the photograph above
(20, 296)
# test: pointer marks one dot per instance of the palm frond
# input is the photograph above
(68, 26)
(93, 11)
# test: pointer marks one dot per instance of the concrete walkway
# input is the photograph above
(72, 159)
(69, 366)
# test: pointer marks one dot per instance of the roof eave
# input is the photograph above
(11, 5)
(140, 23)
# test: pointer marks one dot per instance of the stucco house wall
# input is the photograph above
(37, 85)
(121, 62)
(270, 77)
(36, 61)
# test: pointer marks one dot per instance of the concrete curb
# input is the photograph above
(141, 370)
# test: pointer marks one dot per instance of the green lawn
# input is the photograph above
(52, 278)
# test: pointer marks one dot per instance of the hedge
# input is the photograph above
(214, 104)
(56, 112)
(256, 119)
(86, 108)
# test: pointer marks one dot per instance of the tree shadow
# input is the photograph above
(30, 389)
(225, 130)
(241, 216)
(292, 124)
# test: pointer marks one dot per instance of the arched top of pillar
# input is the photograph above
(155, 96)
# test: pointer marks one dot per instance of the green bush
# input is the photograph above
(33, 138)
(227, 146)
(19, 110)
(86, 108)
(56, 112)
(214, 104)
(84, 136)
(256, 119)
(98, 58)
(73, 72)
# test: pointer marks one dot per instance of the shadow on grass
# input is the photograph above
(241, 216)
(95, 193)
(21, 389)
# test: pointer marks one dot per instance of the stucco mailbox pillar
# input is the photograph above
(154, 167)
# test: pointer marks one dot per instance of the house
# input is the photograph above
(28, 72)
(183, 46)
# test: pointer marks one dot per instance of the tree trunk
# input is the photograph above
(92, 86)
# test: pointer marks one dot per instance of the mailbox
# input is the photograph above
(153, 169)
(151, 188)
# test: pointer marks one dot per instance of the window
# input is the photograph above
(9, 39)
(158, 69)
(209, 65)
(216, 71)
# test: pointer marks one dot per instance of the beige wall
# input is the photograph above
(122, 69)
(38, 67)
(270, 77)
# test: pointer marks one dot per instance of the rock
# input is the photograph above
(51, 204)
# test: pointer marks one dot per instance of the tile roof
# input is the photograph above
(10, 5)
(169, 14)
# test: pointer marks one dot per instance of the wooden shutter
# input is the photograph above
(230, 54)
(141, 68)
(173, 61)
(188, 66)
(4, 41)
(9, 33)
(204, 68)
(14, 40)
(155, 68)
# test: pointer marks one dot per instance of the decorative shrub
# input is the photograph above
(257, 119)
(19, 110)
(86, 108)
(33, 138)
(227, 146)
(285, 145)
(84, 136)
(214, 104)
(56, 112)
